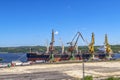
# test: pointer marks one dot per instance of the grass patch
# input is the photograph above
(88, 78)
(112, 78)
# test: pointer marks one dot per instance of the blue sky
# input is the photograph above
(29, 22)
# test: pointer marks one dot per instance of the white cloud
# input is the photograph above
(56, 32)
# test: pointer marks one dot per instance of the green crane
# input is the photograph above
(73, 45)
(51, 47)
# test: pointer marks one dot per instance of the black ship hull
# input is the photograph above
(62, 57)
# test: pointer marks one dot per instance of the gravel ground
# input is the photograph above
(68, 71)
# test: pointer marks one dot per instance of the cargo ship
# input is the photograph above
(73, 53)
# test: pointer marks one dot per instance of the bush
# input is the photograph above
(88, 78)
(113, 78)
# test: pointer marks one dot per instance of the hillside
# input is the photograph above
(25, 49)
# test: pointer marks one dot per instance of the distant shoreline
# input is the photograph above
(25, 49)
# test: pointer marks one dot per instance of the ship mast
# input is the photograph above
(30, 49)
(47, 47)
(91, 46)
(62, 46)
(76, 47)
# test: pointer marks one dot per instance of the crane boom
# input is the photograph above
(108, 47)
(51, 48)
(72, 47)
(91, 45)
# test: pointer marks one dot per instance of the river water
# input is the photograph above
(8, 57)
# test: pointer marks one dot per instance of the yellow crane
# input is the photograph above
(107, 46)
(91, 46)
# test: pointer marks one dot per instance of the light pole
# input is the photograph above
(83, 66)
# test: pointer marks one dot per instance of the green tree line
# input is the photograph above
(25, 49)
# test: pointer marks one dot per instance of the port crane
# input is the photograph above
(73, 45)
(91, 46)
(107, 47)
(51, 47)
